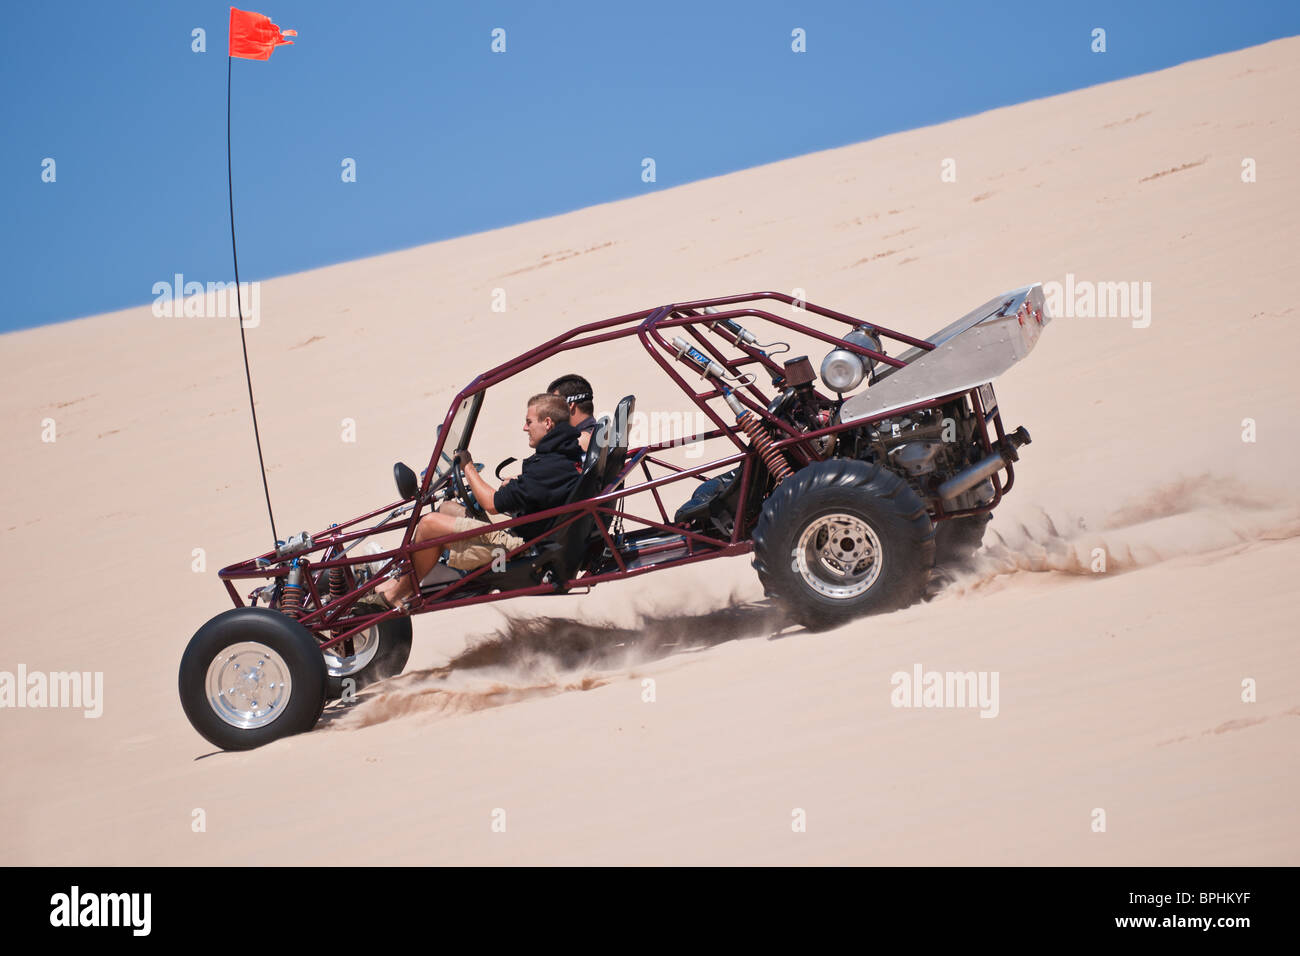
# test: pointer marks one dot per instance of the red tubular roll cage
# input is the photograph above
(332, 618)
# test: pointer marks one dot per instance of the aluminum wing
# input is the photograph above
(975, 349)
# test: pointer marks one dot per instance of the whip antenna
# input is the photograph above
(252, 37)
(239, 307)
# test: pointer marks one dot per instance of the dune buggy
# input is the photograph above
(846, 483)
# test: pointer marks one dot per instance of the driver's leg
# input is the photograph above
(433, 525)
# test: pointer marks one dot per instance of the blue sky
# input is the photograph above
(450, 138)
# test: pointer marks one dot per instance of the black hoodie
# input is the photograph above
(547, 480)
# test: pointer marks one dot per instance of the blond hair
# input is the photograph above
(550, 406)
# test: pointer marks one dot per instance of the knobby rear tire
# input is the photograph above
(865, 502)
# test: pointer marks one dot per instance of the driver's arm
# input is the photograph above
(482, 491)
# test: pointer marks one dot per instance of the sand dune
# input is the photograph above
(1120, 689)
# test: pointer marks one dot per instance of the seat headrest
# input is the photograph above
(598, 447)
(622, 422)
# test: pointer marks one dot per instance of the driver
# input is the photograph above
(547, 478)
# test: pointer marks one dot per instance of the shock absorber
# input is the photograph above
(336, 579)
(690, 355)
(743, 337)
(747, 420)
(739, 333)
(760, 439)
(292, 595)
(337, 587)
(336, 583)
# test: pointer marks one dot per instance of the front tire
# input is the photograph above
(843, 538)
(379, 652)
(249, 676)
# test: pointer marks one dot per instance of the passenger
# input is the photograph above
(547, 478)
(577, 394)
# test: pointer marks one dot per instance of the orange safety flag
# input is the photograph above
(255, 37)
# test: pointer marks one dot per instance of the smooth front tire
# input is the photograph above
(251, 675)
(843, 538)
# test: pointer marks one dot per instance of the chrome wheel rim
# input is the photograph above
(839, 556)
(365, 645)
(248, 685)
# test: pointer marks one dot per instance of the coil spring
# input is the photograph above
(291, 595)
(336, 590)
(336, 583)
(291, 600)
(761, 440)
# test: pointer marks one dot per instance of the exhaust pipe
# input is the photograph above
(972, 475)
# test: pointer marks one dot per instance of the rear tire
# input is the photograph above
(843, 538)
(249, 676)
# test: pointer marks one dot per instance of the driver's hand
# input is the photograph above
(463, 458)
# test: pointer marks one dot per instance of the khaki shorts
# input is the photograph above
(470, 553)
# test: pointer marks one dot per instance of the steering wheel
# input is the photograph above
(460, 486)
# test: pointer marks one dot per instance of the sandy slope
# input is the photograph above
(1119, 691)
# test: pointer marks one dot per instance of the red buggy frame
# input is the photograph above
(324, 613)
(843, 501)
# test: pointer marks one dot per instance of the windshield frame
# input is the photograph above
(440, 461)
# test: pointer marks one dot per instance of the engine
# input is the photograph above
(926, 446)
